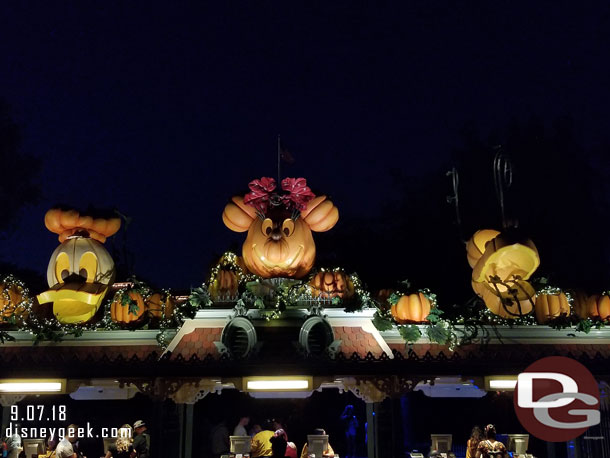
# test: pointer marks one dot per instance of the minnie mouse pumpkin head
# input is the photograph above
(279, 241)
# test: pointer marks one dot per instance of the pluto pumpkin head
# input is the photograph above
(80, 269)
(279, 241)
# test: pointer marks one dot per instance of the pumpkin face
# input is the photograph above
(279, 242)
(332, 284)
(507, 258)
(475, 247)
(411, 308)
(160, 306)
(549, 306)
(129, 310)
(79, 273)
(81, 256)
(279, 246)
(10, 300)
(598, 307)
(505, 304)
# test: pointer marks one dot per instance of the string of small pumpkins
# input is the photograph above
(132, 305)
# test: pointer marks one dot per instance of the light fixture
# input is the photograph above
(500, 382)
(275, 383)
(33, 386)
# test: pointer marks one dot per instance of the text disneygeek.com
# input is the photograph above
(87, 431)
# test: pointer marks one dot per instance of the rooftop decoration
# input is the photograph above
(276, 274)
(279, 241)
(80, 269)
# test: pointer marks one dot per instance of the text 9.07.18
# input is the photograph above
(38, 413)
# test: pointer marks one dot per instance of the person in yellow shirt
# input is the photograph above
(475, 438)
(329, 450)
(261, 445)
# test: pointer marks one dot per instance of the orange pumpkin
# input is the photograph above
(598, 307)
(332, 284)
(475, 247)
(225, 284)
(549, 306)
(579, 305)
(508, 257)
(10, 300)
(411, 308)
(128, 312)
(67, 223)
(280, 244)
(160, 306)
(505, 304)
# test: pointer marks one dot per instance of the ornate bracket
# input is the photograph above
(181, 391)
(7, 400)
(376, 389)
(191, 392)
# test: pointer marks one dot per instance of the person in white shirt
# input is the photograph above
(64, 449)
(240, 429)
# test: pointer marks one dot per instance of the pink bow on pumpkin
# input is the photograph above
(262, 193)
(298, 192)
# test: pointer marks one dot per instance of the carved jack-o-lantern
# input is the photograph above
(78, 275)
(279, 246)
(507, 256)
(332, 284)
(11, 303)
(81, 256)
(513, 301)
(279, 241)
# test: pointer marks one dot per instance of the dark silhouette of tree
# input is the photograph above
(18, 187)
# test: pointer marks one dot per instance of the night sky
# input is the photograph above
(164, 110)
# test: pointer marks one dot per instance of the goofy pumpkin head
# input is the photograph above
(279, 225)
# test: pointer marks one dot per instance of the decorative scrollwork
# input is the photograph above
(180, 390)
(376, 389)
(7, 400)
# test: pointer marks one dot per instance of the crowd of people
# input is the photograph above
(270, 438)
(131, 442)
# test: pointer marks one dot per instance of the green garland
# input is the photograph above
(271, 297)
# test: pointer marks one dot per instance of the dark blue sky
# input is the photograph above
(165, 109)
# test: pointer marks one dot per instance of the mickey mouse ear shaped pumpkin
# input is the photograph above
(507, 256)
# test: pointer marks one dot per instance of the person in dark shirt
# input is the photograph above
(141, 442)
(490, 447)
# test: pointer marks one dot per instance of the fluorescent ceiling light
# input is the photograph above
(32, 386)
(501, 382)
(278, 383)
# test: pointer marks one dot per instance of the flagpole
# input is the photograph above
(278, 160)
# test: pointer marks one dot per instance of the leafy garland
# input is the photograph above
(21, 316)
(273, 296)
